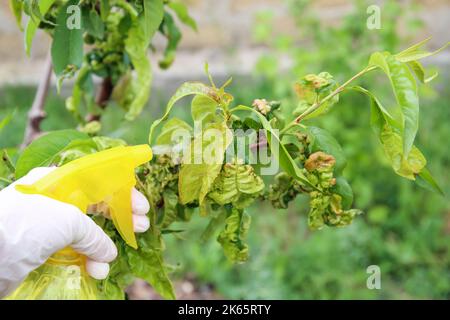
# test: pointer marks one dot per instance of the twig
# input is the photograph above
(7, 181)
(37, 113)
(102, 98)
(316, 105)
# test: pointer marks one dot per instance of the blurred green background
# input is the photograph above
(405, 230)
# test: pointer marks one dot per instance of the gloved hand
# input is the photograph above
(33, 227)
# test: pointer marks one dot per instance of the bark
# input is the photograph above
(37, 112)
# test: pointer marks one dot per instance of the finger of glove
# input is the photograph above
(92, 241)
(97, 270)
(140, 223)
(139, 203)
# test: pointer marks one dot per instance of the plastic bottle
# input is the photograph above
(106, 176)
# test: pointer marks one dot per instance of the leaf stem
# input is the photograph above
(316, 105)
(5, 180)
(7, 161)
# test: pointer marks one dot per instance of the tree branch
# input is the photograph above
(102, 98)
(37, 113)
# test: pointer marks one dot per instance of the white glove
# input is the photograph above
(33, 227)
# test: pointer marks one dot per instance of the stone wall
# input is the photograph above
(224, 38)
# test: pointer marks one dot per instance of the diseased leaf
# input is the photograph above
(147, 263)
(170, 198)
(232, 237)
(328, 210)
(237, 185)
(405, 166)
(405, 90)
(42, 151)
(202, 163)
(67, 45)
(186, 89)
(382, 121)
(322, 140)
(313, 88)
(278, 149)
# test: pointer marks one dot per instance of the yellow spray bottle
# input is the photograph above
(107, 176)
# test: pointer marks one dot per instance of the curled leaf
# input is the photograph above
(232, 237)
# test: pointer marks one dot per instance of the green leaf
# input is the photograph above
(237, 185)
(105, 8)
(74, 150)
(203, 109)
(343, 188)
(93, 23)
(173, 35)
(322, 140)
(169, 128)
(104, 143)
(170, 198)
(381, 121)
(16, 8)
(419, 70)
(379, 115)
(216, 221)
(182, 13)
(82, 93)
(136, 47)
(67, 45)
(278, 149)
(232, 237)
(405, 90)
(415, 53)
(32, 25)
(426, 180)
(152, 18)
(186, 89)
(42, 151)
(405, 166)
(147, 263)
(6, 120)
(197, 175)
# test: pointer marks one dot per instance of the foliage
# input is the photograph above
(312, 161)
(106, 39)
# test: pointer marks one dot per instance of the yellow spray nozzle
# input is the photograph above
(106, 176)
